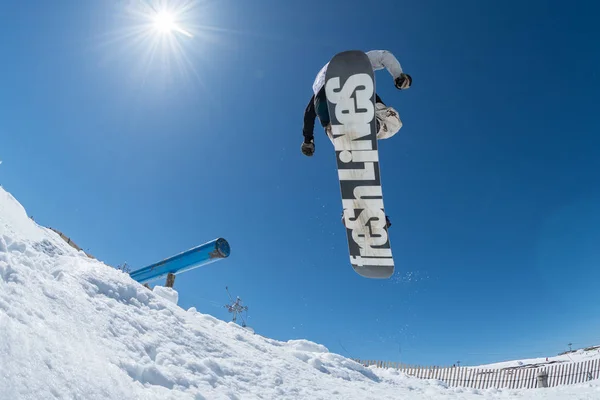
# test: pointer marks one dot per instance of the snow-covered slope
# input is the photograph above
(575, 356)
(74, 328)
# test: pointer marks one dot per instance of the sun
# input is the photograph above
(164, 22)
(163, 37)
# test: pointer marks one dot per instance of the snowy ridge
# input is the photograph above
(74, 328)
(575, 356)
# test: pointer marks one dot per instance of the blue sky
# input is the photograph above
(491, 185)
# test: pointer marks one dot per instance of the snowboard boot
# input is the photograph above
(388, 121)
(388, 223)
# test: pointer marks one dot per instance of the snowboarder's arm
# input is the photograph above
(309, 120)
(384, 59)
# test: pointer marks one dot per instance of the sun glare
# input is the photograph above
(164, 22)
(164, 36)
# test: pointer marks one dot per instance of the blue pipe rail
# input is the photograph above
(199, 256)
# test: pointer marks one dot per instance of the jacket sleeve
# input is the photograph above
(309, 120)
(384, 59)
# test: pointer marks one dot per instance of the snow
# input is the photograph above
(74, 328)
(575, 356)
(167, 293)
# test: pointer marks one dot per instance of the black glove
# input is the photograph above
(308, 148)
(403, 81)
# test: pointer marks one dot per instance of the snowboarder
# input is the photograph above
(388, 120)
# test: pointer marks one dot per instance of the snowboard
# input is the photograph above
(350, 92)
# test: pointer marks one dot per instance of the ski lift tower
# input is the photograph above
(236, 308)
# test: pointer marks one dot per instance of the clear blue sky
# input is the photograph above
(492, 184)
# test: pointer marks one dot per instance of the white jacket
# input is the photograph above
(379, 59)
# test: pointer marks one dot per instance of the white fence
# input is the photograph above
(565, 373)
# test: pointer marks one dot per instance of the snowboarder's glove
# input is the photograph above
(403, 81)
(308, 148)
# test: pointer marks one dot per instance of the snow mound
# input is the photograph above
(306, 346)
(166, 293)
(75, 328)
